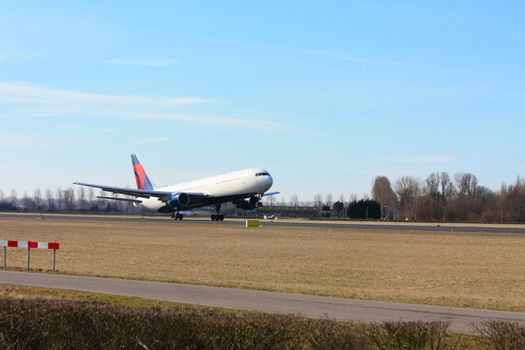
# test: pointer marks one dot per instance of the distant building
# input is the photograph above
(289, 211)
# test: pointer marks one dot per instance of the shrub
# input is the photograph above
(61, 324)
(502, 335)
(411, 335)
(65, 324)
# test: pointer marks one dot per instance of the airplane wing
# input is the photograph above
(120, 199)
(163, 195)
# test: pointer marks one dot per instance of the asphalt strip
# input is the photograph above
(341, 309)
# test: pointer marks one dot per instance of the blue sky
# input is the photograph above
(326, 95)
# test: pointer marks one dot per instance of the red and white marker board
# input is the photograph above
(29, 244)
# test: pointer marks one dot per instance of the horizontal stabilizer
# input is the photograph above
(270, 194)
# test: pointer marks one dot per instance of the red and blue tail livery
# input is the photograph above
(142, 180)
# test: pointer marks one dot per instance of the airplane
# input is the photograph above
(244, 188)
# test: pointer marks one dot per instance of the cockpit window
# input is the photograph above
(262, 174)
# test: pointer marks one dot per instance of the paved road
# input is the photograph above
(273, 302)
(279, 223)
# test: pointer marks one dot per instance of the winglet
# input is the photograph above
(141, 178)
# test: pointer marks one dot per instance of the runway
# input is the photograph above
(273, 302)
(398, 226)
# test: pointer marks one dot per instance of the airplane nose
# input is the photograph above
(270, 181)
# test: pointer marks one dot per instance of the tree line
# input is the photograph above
(64, 200)
(439, 197)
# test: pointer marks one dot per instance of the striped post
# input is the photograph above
(54, 246)
(5, 258)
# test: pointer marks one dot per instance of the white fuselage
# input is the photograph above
(243, 182)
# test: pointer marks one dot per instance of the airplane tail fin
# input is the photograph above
(142, 179)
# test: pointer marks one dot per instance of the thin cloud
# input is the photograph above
(6, 155)
(351, 57)
(157, 140)
(67, 126)
(145, 62)
(106, 131)
(31, 100)
(213, 120)
(422, 159)
(31, 93)
(9, 140)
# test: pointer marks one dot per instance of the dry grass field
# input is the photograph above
(455, 269)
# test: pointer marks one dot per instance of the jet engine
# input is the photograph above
(249, 204)
(179, 199)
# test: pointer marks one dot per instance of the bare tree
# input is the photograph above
(81, 197)
(466, 184)
(37, 198)
(383, 193)
(294, 200)
(50, 200)
(329, 200)
(318, 200)
(466, 201)
(69, 199)
(28, 202)
(270, 201)
(439, 188)
(14, 197)
(432, 185)
(408, 189)
(514, 201)
(60, 199)
(447, 190)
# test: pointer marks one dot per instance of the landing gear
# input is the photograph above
(218, 216)
(177, 216)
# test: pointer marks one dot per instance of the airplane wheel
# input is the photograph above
(213, 217)
(221, 217)
(181, 217)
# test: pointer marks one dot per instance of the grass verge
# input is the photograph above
(451, 269)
